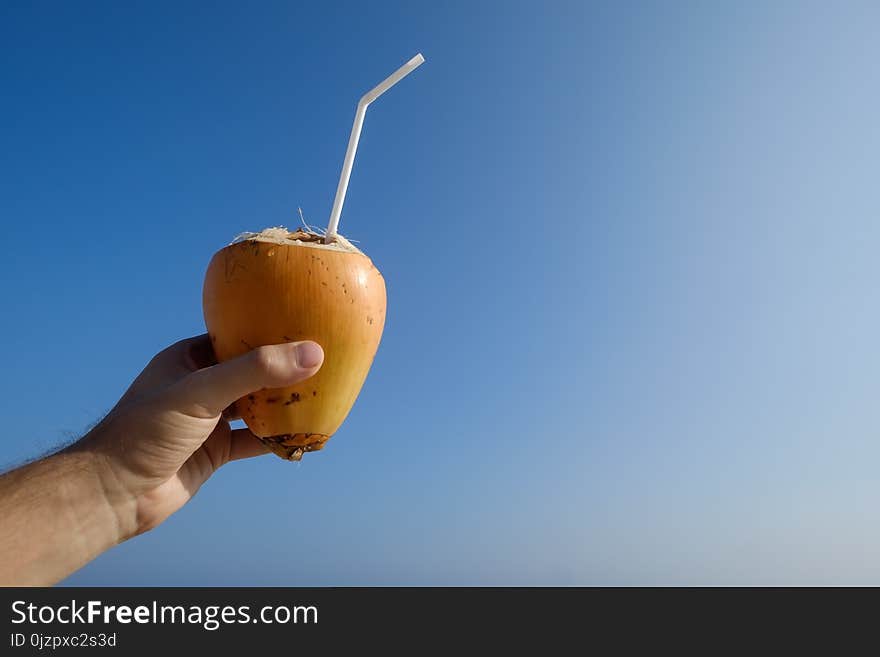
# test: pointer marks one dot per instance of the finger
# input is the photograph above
(199, 353)
(244, 445)
(206, 392)
(165, 368)
(221, 447)
(231, 413)
(177, 351)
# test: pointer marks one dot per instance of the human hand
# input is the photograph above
(142, 462)
(169, 432)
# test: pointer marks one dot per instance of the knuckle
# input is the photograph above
(265, 360)
(191, 391)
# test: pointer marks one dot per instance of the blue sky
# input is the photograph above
(630, 251)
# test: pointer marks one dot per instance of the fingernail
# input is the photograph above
(309, 354)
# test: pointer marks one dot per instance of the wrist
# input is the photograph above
(58, 513)
(116, 504)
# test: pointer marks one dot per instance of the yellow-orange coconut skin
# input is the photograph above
(260, 292)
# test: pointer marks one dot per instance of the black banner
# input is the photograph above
(147, 620)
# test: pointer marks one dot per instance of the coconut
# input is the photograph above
(283, 286)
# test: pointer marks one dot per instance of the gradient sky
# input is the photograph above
(631, 257)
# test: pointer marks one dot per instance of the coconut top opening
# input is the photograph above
(298, 237)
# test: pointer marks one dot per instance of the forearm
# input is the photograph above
(56, 515)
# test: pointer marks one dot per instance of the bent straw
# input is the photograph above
(365, 100)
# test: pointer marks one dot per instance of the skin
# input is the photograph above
(146, 459)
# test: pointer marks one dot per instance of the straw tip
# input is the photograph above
(417, 60)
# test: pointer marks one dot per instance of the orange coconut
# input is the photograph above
(281, 286)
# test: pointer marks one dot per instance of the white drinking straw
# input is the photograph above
(365, 100)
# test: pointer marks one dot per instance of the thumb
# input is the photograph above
(206, 392)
